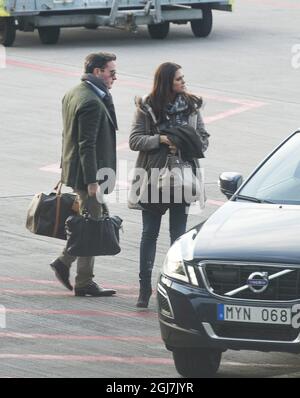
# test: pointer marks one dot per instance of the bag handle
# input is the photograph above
(105, 210)
(167, 161)
(179, 154)
(169, 156)
(57, 189)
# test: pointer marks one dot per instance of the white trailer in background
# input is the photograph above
(49, 16)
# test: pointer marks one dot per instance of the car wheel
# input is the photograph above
(196, 362)
(159, 31)
(7, 31)
(49, 34)
(202, 27)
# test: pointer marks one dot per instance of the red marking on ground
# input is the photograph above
(215, 202)
(90, 358)
(18, 292)
(122, 146)
(34, 336)
(52, 168)
(55, 167)
(91, 313)
(245, 104)
(26, 280)
(41, 68)
(283, 5)
(232, 112)
(58, 293)
(49, 282)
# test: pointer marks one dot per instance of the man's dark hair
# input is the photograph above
(98, 60)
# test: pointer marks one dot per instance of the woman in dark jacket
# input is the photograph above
(167, 107)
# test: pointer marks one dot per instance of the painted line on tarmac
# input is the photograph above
(87, 313)
(246, 105)
(294, 375)
(22, 280)
(255, 365)
(122, 146)
(55, 167)
(231, 112)
(41, 68)
(54, 283)
(35, 336)
(215, 202)
(52, 168)
(90, 358)
(58, 293)
(283, 5)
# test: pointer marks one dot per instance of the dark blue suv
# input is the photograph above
(233, 282)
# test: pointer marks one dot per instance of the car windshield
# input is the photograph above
(278, 180)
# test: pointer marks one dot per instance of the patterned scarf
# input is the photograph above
(177, 113)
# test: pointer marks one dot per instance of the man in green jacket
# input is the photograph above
(88, 145)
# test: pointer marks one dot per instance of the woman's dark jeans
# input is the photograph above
(151, 227)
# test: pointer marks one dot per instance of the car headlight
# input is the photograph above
(178, 263)
(174, 264)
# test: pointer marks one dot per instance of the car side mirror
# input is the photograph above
(229, 182)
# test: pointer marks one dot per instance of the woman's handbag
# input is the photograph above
(47, 213)
(178, 177)
(88, 237)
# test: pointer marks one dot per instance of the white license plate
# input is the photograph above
(239, 313)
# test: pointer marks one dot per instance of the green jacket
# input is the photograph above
(89, 138)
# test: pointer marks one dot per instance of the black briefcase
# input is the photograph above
(88, 237)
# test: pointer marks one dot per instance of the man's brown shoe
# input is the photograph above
(62, 273)
(93, 290)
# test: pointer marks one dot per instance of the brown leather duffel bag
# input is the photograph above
(47, 213)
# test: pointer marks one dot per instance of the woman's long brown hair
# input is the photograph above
(162, 92)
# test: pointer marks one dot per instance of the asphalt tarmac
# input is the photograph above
(248, 74)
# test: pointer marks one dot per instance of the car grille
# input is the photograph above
(223, 278)
(256, 332)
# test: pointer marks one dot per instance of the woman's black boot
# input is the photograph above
(144, 296)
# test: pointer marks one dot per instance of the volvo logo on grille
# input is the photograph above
(258, 282)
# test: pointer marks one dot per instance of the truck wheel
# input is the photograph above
(49, 34)
(202, 27)
(196, 362)
(91, 27)
(7, 31)
(159, 31)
